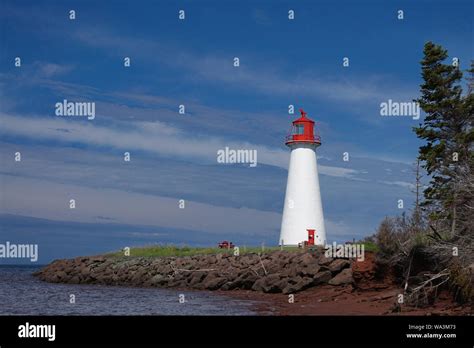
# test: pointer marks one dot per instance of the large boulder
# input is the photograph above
(274, 284)
(196, 278)
(278, 254)
(85, 270)
(62, 276)
(305, 259)
(74, 280)
(213, 283)
(249, 260)
(300, 285)
(322, 277)
(339, 264)
(291, 270)
(271, 283)
(177, 283)
(231, 272)
(342, 278)
(247, 279)
(210, 259)
(258, 285)
(136, 279)
(324, 261)
(272, 266)
(278, 286)
(309, 270)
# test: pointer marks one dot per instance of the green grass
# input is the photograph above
(172, 250)
(370, 246)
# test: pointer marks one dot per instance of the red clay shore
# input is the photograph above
(330, 300)
(367, 296)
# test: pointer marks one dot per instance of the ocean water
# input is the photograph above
(23, 294)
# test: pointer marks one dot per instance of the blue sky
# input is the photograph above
(190, 62)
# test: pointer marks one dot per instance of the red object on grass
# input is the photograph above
(226, 245)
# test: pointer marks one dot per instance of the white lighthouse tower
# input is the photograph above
(303, 219)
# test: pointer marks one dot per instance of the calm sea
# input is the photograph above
(23, 294)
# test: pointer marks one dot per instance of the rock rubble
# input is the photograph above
(273, 272)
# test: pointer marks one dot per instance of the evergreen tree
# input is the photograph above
(447, 130)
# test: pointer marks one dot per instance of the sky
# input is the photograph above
(190, 62)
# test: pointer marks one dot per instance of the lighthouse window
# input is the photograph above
(299, 129)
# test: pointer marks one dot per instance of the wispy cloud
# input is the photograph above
(155, 137)
(399, 183)
(49, 70)
(337, 171)
(48, 200)
(51, 201)
(272, 81)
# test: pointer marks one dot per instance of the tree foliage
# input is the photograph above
(448, 132)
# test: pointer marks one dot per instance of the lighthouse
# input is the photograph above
(303, 219)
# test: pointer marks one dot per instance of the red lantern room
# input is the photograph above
(303, 131)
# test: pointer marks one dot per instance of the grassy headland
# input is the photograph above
(178, 251)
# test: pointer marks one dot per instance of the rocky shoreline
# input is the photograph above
(273, 272)
(322, 286)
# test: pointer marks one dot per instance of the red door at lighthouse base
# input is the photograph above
(310, 237)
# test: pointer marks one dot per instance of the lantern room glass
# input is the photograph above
(299, 129)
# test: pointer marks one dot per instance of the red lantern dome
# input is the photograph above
(303, 131)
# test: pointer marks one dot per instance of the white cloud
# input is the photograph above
(155, 137)
(337, 171)
(48, 200)
(44, 199)
(219, 69)
(399, 183)
(48, 70)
